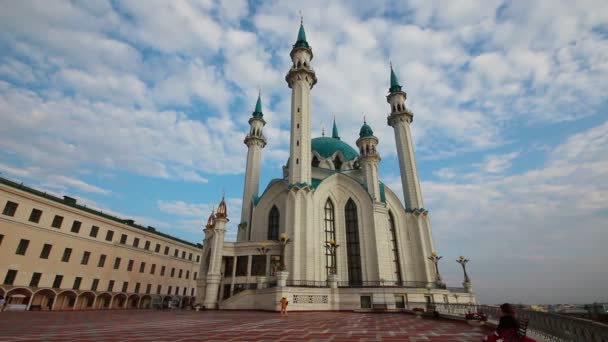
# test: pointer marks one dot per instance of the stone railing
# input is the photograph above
(552, 326)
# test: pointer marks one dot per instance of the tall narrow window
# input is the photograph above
(315, 161)
(77, 282)
(22, 247)
(76, 227)
(109, 235)
(57, 281)
(85, 258)
(330, 235)
(35, 215)
(273, 223)
(57, 221)
(337, 163)
(353, 251)
(94, 231)
(117, 263)
(102, 260)
(10, 208)
(94, 285)
(391, 226)
(46, 250)
(35, 279)
(9, 279)
(66, 255)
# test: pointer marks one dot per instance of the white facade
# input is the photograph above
(349, 234)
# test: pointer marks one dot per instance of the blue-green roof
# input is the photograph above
(257, 113)
(326, 147)
(395, 86)
(301, 42)
(334, 131)
(366, 131)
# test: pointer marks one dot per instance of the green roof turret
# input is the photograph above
(301, 42)
(395, 86)
(334, 131)
(366, 130)
(257, 113)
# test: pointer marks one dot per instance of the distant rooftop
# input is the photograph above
(71, 202)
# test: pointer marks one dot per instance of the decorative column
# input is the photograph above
(215, 262)
(435, 260)
(467, 281)
(283, 274)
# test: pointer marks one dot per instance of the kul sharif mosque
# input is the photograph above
(329, 235)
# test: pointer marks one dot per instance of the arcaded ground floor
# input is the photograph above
(176, 325)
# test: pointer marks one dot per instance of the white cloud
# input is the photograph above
(541, 218)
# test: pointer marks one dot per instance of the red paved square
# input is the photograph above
(227, 326)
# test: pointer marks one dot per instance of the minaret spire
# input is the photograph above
(300, 78)
(255, 142)
(400, 119)
(334, 131)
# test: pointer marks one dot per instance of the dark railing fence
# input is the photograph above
(388, 283)
(307, 283)
(552, 326)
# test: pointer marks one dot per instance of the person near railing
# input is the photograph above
(508, 326)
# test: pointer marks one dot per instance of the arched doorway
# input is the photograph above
(166, 301)
(65, 300)
(133, 301)
(43, 299)
(119, 301)
(18, 299)
(103, 301)
(146, 302)
(85, 301)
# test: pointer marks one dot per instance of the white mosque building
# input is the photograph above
(329, 235)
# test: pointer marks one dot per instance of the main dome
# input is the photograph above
(326, 147)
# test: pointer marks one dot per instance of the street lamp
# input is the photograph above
(332, 246)
(283, 241)
(463, 262)
(435, 259)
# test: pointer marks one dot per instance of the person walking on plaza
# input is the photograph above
(284, 303)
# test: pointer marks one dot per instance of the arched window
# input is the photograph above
(337, 163)
(273, 223)
(299, 64)
(315, 161)
(330, 234)
(353, 251)
(393, 235)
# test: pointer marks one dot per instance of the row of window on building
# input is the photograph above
(86, 255)
(10, 209)
(11, 275)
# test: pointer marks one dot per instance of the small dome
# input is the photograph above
(210, 220)
(366, 131)
(222, 211)
(326, 147)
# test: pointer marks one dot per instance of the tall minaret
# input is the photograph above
(369, 158)
(300, 78)
(400, 119)
(255, 142)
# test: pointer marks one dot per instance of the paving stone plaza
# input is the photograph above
(146, 325)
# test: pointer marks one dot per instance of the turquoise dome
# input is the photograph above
(366, 131)
(326, 147)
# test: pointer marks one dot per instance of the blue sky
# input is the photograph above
(140, 107)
